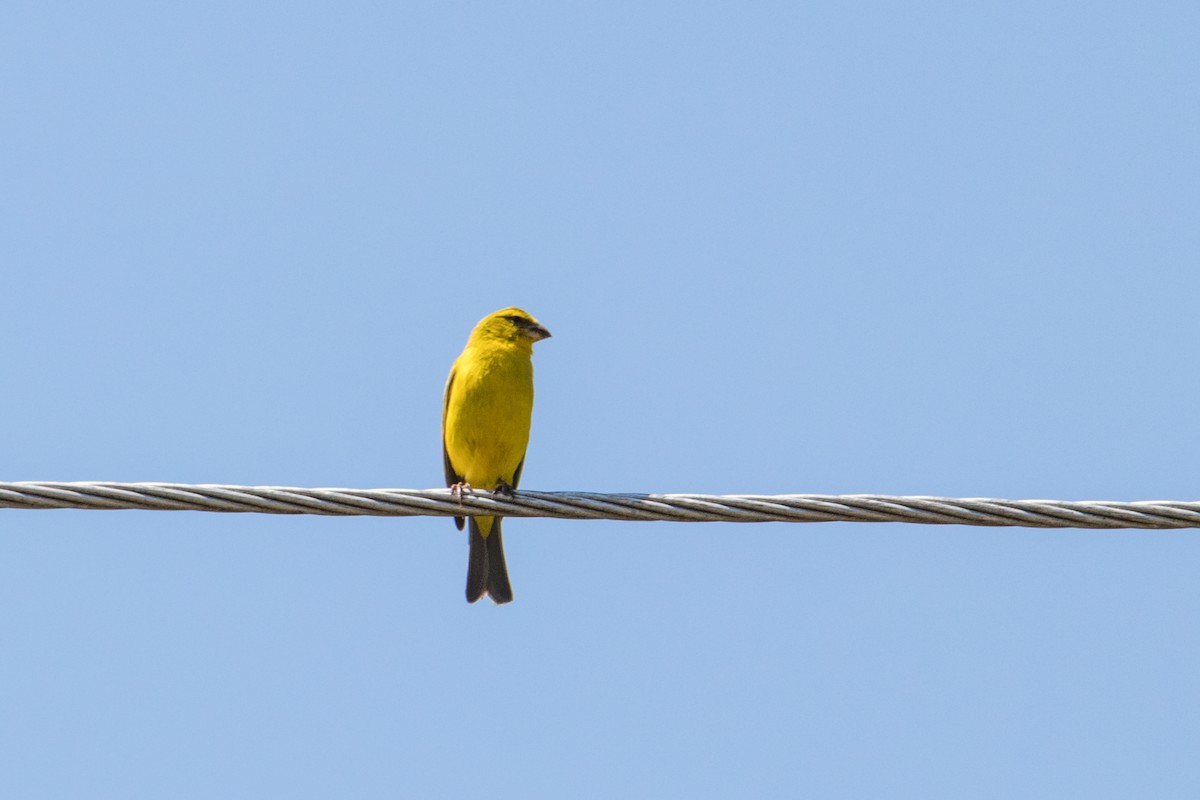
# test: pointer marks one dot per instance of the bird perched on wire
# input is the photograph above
(485, 430)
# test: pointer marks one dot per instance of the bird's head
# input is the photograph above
(511, 325)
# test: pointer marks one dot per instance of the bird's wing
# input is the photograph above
(517, 474)
(452, 476)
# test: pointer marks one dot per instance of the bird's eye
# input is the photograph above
(515, 320)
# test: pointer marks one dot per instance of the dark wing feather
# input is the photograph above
(452, 477)
(517, 474)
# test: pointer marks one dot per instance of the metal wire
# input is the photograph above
(1160, 514)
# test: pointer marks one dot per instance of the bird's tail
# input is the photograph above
(487, 572)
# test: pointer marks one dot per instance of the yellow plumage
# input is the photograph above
(485, 430)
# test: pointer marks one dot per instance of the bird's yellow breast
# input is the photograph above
(488, 409)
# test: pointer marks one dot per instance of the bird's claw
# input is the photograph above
(459, 489)
(504, 489)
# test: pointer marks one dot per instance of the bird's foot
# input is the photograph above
(504, 489)
(459, 489)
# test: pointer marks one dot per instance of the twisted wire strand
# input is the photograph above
(1154, 514)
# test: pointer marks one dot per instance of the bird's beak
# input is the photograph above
(536, 333)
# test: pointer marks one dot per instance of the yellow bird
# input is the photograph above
(485, 430)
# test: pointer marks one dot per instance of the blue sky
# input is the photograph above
(933, 248)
